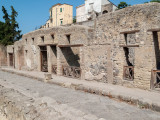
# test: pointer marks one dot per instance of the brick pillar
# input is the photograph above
(59, 64)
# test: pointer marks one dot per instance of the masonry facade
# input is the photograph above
(60, 14)
(122, 48)
(86, 11)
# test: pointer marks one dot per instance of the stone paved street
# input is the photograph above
(93, 105)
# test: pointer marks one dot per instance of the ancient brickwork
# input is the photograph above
(121, 39)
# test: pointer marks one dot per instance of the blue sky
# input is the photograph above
(33, 13)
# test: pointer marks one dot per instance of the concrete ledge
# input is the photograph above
(139, 98)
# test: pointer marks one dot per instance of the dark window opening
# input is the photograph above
(26, 41)
(60, 9)
(157, 50)
(128, 71)
(48, 24)
(105, 11)
(52, 36)
(42, 38)
(61, 22)
(32, 40)
(51, 13)
(68, 38)
(125, 37)
(26, 51)
(126, 50)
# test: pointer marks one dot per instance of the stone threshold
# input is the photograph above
(143, 99)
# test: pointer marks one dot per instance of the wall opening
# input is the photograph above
(68, 38)
(155, 81)
(44, 60)
(128, 70)
(52, 36)
(11, 59)
(32, 40)
(157, 50)
(42, 39)
(26, 40)
(104, 12)
(126, 51)
(71, 62)
(54, 59)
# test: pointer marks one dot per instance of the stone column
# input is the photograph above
(81, 55)
(59, 64)
(49, 59)
(109, 64)
(39, 58)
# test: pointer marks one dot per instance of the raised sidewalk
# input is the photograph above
(140, 98)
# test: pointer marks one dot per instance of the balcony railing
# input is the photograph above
(128, 73)
(71, 71)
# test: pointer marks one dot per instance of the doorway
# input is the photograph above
(44, 60)
(11, 59)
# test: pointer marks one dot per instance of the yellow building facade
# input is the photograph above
(60, 14)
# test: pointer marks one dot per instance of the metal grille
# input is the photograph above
(128, 73)
(155, 80)
(71, 71)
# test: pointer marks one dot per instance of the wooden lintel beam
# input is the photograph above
(128, 32)
(47, 45)
(129, 45)
(154, 30)
(76, 45)
(156, 70)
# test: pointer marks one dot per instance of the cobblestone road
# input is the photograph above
(99, 106)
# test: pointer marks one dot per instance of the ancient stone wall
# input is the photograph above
(121, 38)
(111, 29)
(107, 8)
(3, 55)
(55, 40)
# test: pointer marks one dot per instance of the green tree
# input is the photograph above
(1, 31)
(9, 32)
(155, 1)
(16, 34)
(7, 28)
(74, 19)
(122, 5)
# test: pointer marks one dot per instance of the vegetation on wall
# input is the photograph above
(9, 29)
(122, 5)
(155, 1)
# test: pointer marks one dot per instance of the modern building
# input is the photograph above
(84, 12)
(60, 14)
